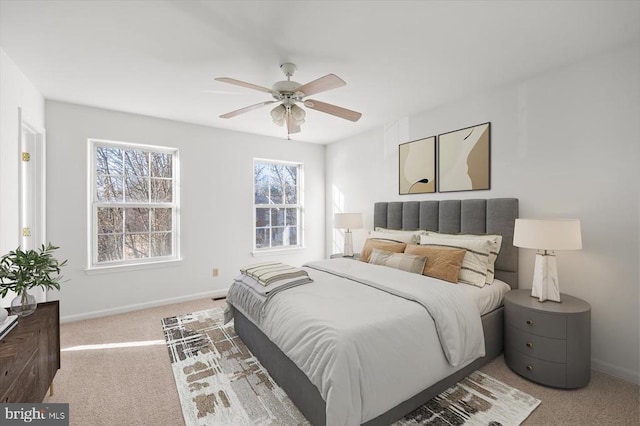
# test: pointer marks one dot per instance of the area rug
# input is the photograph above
(220, 382)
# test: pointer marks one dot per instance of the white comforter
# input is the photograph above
(366, 350)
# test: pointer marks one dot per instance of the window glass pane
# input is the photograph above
(262, 217)
(161, 190)
(109, 188)
(261, 176)
(276, 193)
(262, 238)
(276, 237)
(292, 217)
(161, 244)
(109, 247)
(136, 162)
(290, 174)
(136, 246)
(291, 194)
(162, 220)
(108, 161)
(277, 217)
(136, 220)
(109, 220)
(293, 235)
(136, 190)
(161, 165)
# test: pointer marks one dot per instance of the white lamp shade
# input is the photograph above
(347, 220)
(548, 234)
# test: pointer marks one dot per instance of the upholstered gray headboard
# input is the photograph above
(486, 216)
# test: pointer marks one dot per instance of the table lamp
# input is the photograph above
(347, 221)
(546, 236)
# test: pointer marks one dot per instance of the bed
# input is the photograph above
(479, 216)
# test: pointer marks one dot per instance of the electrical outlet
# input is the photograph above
(215, 272)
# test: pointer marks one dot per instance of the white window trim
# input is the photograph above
(92, 205)
(255, 252)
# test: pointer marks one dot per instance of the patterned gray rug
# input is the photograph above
(219, 382)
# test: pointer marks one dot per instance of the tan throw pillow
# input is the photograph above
(371, 243)
(405, 262)
(494, 239)
(476, 259)
(442, 262)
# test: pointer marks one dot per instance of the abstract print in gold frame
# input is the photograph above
(464, 159)
(417, 166)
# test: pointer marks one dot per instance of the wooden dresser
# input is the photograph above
(30, 355)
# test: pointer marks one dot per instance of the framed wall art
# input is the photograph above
(464, 159)
(417, 166)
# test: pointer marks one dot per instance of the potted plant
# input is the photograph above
(23, 270)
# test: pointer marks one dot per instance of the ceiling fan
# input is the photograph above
(288, 93)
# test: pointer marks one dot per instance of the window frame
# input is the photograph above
(94, 204)
(299, 206)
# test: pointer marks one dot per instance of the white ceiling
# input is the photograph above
(160, 58)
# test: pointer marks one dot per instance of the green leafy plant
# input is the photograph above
(23, 270)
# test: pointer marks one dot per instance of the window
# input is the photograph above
(134, 204)
(277, 204)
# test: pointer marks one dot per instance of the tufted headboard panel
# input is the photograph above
(485, 216)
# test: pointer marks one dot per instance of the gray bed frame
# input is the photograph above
(490, 216)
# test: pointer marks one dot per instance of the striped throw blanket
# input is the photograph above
(274, 273)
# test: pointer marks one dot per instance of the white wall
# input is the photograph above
(16, 92)
(216, 206)
(566, 143)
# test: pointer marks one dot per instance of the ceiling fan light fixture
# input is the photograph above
(298, 114)
(278, 115)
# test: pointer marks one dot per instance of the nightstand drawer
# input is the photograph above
(541, 324)
(539, 347)
(545, 372)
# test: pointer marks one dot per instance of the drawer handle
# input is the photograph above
(529, 368)
(529, 322)
(529, 345)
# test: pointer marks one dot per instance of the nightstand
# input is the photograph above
(549, 342)
(355, 256)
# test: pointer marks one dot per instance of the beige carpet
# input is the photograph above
(115, 370)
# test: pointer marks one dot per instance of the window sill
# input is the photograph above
(94, 270)
(276, 251)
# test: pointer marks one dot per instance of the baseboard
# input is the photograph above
(614, 370)
(138, 306)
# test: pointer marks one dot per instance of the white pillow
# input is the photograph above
(399, 235)
(496, 243)
(476, 259)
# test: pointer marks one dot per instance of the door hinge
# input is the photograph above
(26, 156)
(26, 232)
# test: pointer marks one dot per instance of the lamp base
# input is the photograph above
(348, 244)
(545, 278)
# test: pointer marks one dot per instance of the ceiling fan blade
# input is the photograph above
(328, 82)
(347, 114)
(245, 109)
(244, 84)
(292, 127)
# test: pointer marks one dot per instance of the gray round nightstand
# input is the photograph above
(355, 256)
(548, 342)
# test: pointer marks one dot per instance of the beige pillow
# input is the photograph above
(371, 243)
(442, 262)
(496, 243)
(476, 259)
(405, 262)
